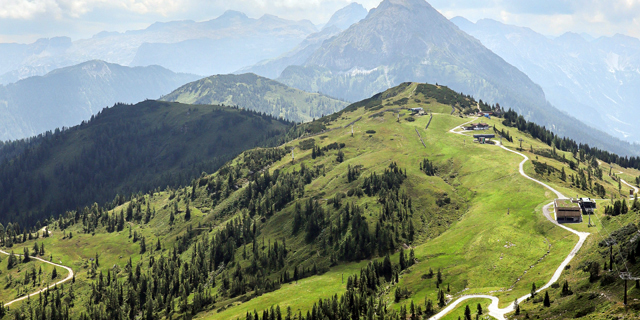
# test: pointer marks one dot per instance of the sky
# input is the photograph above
(24, 21)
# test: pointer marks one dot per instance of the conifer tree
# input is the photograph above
(547, 302)
(467, 313)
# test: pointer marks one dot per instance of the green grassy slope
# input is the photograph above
(256, 93)
(477, 220)
(126, 149)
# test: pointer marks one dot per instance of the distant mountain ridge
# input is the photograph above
(341, 20)
(595, 81)
(256, 93)
(408, 40)
(220, 45)
(67, 96)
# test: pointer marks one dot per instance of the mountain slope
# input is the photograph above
(125, 149)
(408, 40)
(345, 17)
(256, 93)
(594, 81)
(375, 220)
(67, 96)
(341, 20)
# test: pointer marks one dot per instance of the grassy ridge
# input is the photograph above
(489, 232)
(259, 94)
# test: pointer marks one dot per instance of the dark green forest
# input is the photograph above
(124, 150)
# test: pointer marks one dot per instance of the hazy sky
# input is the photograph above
(26, 20)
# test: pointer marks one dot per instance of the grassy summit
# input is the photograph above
(259, 94)
(372, 220)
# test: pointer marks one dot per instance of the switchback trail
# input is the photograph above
(69, 277)
(494, 309)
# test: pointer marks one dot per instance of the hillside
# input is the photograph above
(390, 215)
(259, 94)
(410, 41)
(594, 81)
(65, 97)
(123, 150)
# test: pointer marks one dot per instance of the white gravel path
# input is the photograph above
(494, 310)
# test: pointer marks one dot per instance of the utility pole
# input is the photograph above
(521, 143)
(610, 243)
(352, 130)
(293, 158)
(626, 276)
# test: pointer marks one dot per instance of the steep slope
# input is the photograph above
(341, 20)
(67, 96)
(259, 94)
(345, 17)
(126, 149)
(594, 81)
(369, 220)
(408, 40)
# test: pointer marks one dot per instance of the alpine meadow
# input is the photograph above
(377, 163)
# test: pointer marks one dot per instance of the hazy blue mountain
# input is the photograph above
(341, 20)
(256, 93)
(238, 41)
(67, 96)
(408, 40)
(345, 17)
(595, 81)
(220, 45)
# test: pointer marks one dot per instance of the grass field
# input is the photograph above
(490, 237)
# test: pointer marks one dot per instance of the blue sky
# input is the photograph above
(26, 20)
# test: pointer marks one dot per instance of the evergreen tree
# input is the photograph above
(467, 313)
(547, 302)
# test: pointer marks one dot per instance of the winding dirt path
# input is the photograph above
(630, 185)
(69, 277)
(494, 309)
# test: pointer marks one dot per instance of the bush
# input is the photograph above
(410, 119)
(371, 131)
(307, 144)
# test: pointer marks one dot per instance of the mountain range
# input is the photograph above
(340, 21)
(68, 96)
(408, 40)
(259, 94)
(596, 81)
(220, 45)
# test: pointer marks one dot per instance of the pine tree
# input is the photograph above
(441, 300)
(516, 307)
(143, 246)
(54, 273)
(187, 213)
(467, 313)
(546, 302)
(479, 309)
(533, 290)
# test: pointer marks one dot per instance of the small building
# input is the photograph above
(418, 111)
(587, 205)
(477, 127)
(484, 138)
(567, 211)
